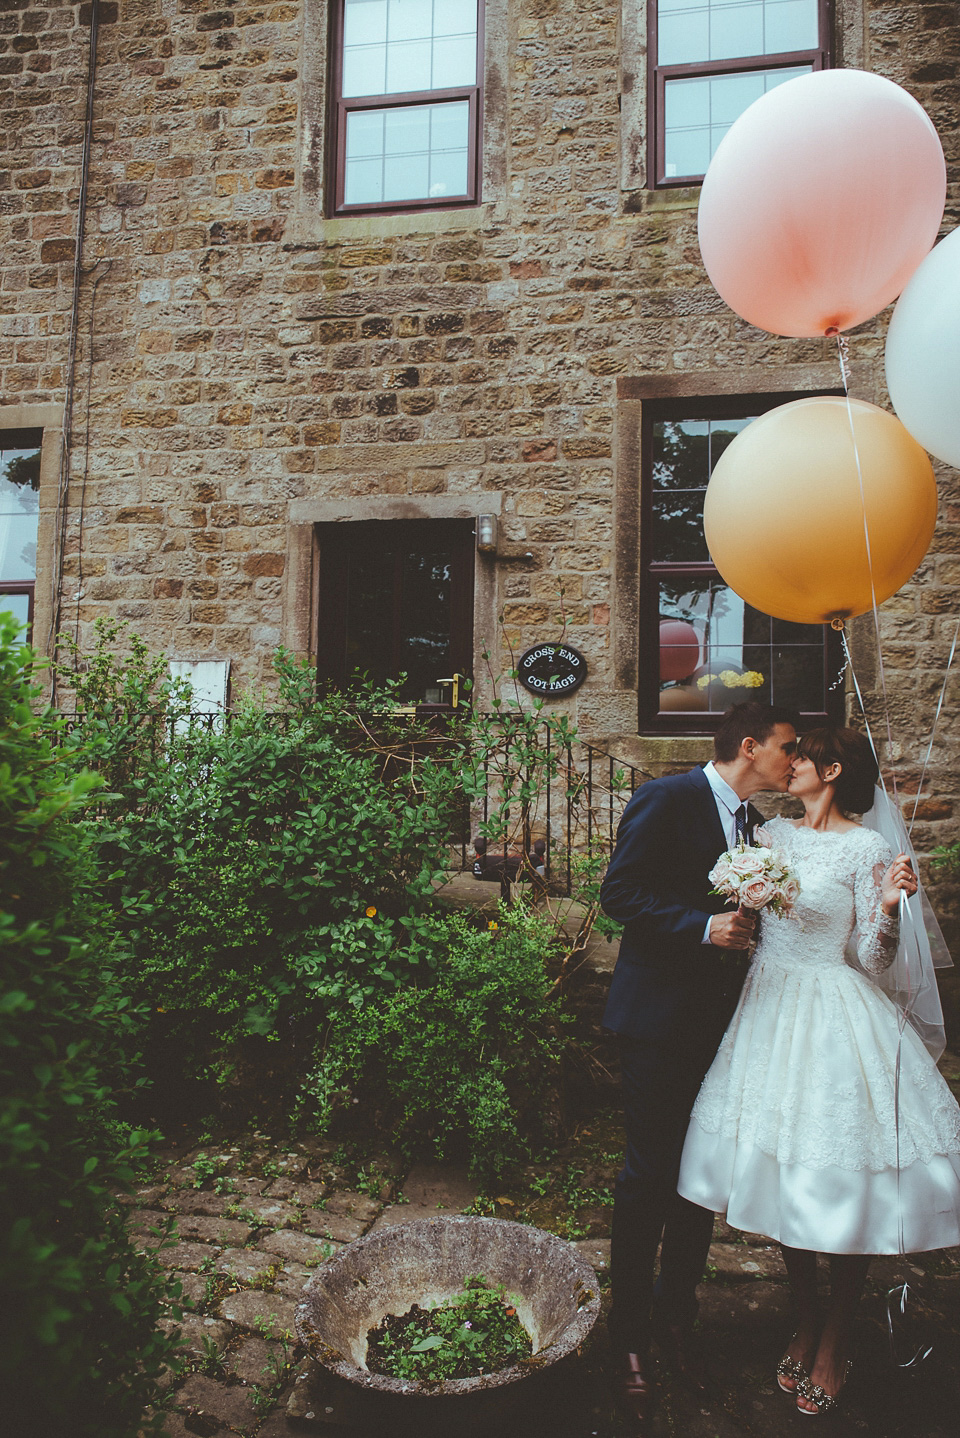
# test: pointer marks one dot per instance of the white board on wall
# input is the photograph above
(208, 679)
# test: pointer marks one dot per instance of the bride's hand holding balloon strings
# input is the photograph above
(899, 877)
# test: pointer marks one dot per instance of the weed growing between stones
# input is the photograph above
(475, 1332)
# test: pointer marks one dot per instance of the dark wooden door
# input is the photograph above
(396, 597)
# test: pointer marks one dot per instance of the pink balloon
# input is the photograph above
(821, 201)
(679, 649)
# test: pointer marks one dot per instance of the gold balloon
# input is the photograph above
(784, 517)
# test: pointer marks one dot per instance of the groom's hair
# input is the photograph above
(748, 721)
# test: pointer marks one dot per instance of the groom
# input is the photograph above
(674, 990)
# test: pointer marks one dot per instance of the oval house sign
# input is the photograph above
(552, 670)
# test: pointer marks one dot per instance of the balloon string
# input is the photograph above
(936, 721)
(843, 353)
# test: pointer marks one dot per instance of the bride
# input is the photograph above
(798, 1131)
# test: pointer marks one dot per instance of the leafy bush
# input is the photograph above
(468, 1056)
(263, 871)
(79, 1344)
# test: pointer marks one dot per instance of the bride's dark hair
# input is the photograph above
(850, 749)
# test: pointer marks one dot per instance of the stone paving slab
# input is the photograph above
(231, 1405)
(332, 1225)
(251, 1361)
(201, 1204)
(195, 1329)
(353, 1205)
(271, 1212)
(290, 1281)
(298, 1190)
(244, 1264)
(188, 1256)
(214, 1230)
(246, 1307)
(430, 1189)
(298, 1247)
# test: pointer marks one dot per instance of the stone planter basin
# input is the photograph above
(426, 1262)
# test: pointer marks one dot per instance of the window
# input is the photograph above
(406, 96)
(19, 506)
(396, 597)
(702, 648)
(713, 59)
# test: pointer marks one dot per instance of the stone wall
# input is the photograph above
(243, 364)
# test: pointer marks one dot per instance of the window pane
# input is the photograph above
(696, 30)
(364, 133)
(790, 25)
(18, 605)
(19, 501)
(392, 47)
(454, 17)
(736, 30)
(408, 66)
(740, 655)
(681, 454)
(363, 182)
(678, 526)
(413, 152)
(410, 20)
(689, 144)
(406, 177)
(407, 131)
(454, 62)
(364, 22)
(18, 546)
(365, 70)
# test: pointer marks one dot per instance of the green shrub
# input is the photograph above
(468, 1058)
(79, 1346)
(264, 871)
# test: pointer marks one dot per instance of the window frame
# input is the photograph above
(23, 437)
(820, 58)
(341, 106)
(651, 720)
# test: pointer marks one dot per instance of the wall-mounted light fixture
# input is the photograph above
(487, 533)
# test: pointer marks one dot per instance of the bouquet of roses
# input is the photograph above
(756, 876)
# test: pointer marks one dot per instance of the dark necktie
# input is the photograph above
(743, 829)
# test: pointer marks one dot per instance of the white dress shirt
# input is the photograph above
(728, 802)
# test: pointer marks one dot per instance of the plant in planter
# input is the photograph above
(477, 1331)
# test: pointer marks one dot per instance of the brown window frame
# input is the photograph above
(29, 437)
(340, 107)
(819, 58)
(651, 721)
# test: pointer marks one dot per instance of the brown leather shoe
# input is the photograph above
(635, 1390)
(682, 1351)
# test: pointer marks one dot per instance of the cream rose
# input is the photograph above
(757, 892)
(747, 863)
(790, 891)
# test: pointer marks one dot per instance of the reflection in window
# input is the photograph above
(397, 152)
(714, 650)
(19, 505)
(714, 58)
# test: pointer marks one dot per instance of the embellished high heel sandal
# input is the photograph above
(814, 1393)
(790, 1368)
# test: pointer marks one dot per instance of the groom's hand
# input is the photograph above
(732, 931)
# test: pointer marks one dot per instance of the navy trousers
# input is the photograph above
(659, 1085)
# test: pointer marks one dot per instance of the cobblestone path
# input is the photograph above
(253, 1220)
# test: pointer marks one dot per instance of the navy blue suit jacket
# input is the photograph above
(668, 986)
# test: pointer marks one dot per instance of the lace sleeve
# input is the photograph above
(877, 933)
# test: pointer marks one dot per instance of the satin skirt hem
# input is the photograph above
(824, 1210)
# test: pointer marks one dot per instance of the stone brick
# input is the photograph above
(57, 251)
(260, 564)
(539, 451)
(274, 1312)
(214, 1230)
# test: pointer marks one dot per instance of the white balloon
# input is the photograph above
(923, 352)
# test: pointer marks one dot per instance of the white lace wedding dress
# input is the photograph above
(794, 1133)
